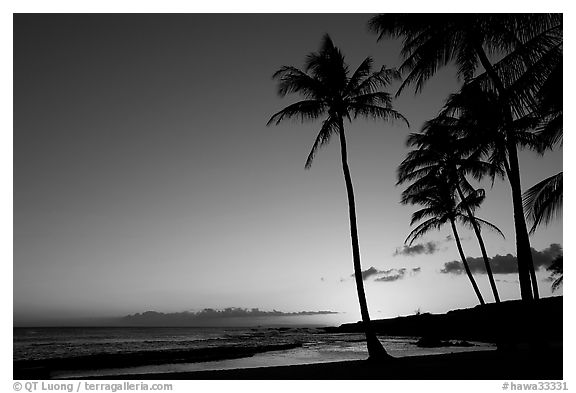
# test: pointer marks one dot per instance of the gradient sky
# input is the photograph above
(145, 177)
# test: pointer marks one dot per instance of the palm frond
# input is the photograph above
(380, 98)
(407, 173)
(422, 62)
(543, 201)
(524, 71)
(466, 220)
(292, 80)
(376, 81)
(422, 229)
(550, 107)
(305, 110)
(362, 72)
(428, 212)
(376, 112)
(329, 127)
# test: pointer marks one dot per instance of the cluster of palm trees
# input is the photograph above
(511, 98)
(437, 170)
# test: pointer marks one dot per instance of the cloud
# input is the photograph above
(388, 275)
(420, 248)
(504, 264)
(372, 271)
(397, 274)
(392, 275)
(210, 316)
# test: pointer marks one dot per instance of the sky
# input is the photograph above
(145, 178)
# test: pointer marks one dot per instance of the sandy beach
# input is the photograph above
(486, 365)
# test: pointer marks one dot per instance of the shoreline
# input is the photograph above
(480, 365)
(43, 368)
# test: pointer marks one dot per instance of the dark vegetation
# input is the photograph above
(511, 324)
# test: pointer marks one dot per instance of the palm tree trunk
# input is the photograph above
(482, 248)
(526, 272)
(375, 348)
(524, 252)
(466, 267)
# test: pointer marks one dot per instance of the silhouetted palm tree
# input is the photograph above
(441, 207)
(331, 92)
(440, 152)
(526, 46)
(477, 116)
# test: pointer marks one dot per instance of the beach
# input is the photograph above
(104, 352)
(484, 365)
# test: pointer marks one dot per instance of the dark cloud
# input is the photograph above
(398, 274)
(387, 275)
(420, 248)
(504, 264)
(372, 271)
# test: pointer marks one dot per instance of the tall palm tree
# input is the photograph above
(440, 152)
(331, 92)
(441, 206)
(525, 45)
(477, 117)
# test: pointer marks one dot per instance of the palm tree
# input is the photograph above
(330, 92)
(477, 117)
(526, 46)
(441, 207)
(440, 152)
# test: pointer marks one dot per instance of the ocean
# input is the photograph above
(98, 351)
